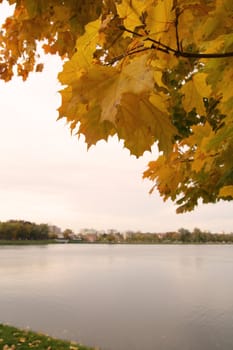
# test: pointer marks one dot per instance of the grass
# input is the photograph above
(12, 338)
(27, 242)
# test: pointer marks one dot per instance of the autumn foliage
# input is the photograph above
(150, 71)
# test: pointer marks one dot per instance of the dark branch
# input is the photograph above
(157, 45)
(203, 55)
(177, 32)
(129, 53)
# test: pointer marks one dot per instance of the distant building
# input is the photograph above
(127, 234)
(111, 231)
(56, 231)
(87, 231)
(90, 237)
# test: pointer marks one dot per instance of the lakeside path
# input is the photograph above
(12, 338)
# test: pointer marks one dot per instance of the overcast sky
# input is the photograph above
(47, 175)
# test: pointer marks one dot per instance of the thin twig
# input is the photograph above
(129, 53)
(160, 45)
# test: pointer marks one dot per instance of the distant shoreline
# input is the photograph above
(48, 242)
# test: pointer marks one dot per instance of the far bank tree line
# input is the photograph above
(182, 236)
(25, 230)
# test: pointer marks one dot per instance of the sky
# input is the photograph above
(48, 176)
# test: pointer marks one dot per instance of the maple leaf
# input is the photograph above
(130, 11)
(140, 123)
(106, 85)
(226, 191)
(194, 92)
(160, 18)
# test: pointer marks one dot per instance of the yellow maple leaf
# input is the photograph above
(91, 126)
(33, 7)
(198, 161)
(160, 17)
(61, 13)
(39, 67)
(194, 91)
(130, 11)
(106, 85)
(199, 136)
(133, 124)
(225, 85)
(141, 123)
(83, 58)
(226, 191)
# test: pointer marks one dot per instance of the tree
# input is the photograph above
(68, 233)
(149, 71)
(199, 236)
(23, 230)
(184, 235)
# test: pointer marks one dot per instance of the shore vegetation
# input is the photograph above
(12, 338)
(21, 232)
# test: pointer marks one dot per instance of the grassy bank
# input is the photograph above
(27, 242)
(12, 338)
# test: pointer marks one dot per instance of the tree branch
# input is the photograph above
(203, 55)
(157, 45)
(129, 53)
(176, 26)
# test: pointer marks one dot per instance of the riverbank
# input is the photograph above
(28, 242)
(12, 338)
(51, 241)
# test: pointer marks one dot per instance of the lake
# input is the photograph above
(122, 297)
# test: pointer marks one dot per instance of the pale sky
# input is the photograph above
(48, 176)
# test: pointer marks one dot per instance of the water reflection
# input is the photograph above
(122, 297)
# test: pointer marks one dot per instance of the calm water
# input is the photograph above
(122, 297)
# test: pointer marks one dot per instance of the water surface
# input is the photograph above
(122, 297)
